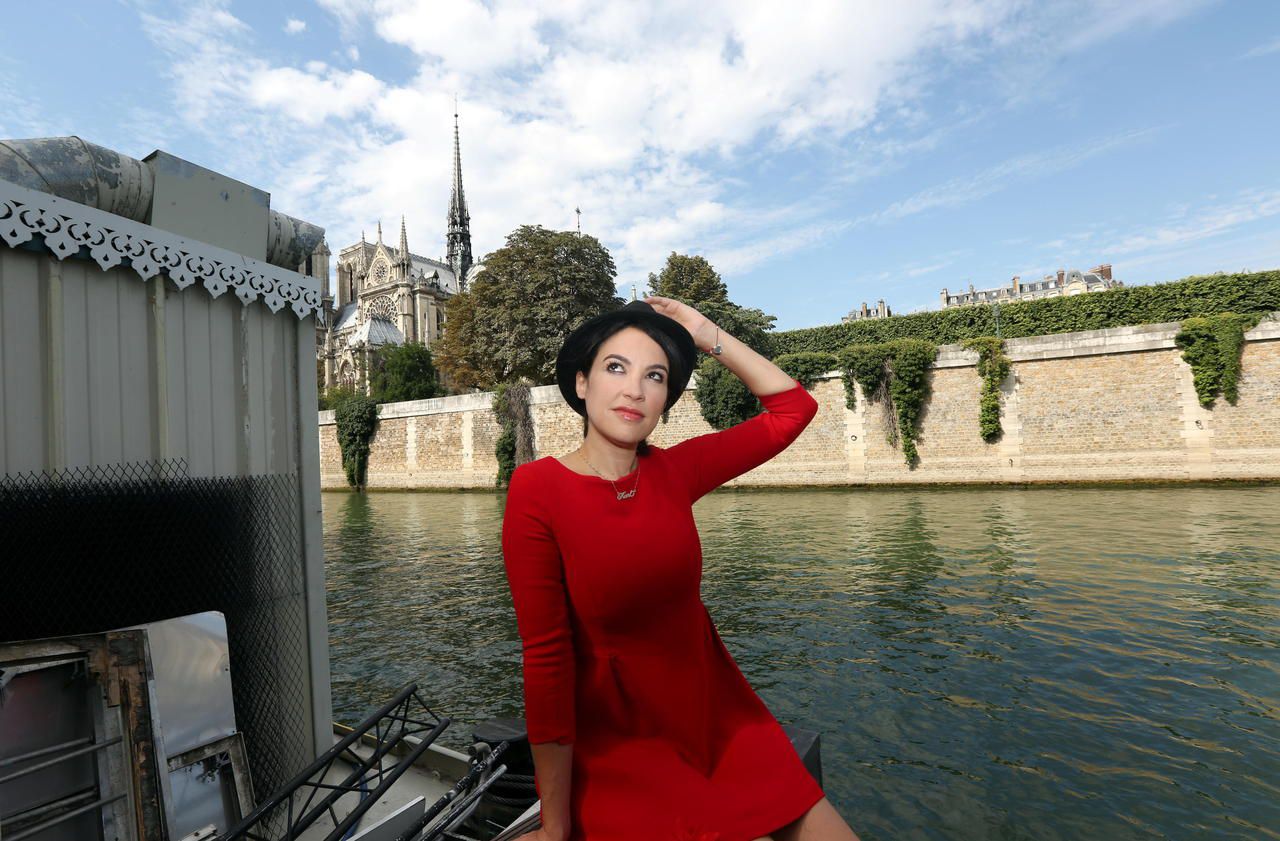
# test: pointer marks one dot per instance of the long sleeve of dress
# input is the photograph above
(535, 575)
(710, 460)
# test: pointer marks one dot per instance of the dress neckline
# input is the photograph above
(569, 469)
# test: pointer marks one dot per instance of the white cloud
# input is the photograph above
(1212, 221)
(1009, 173)
(1264, 49)
(635, 112)
(293, 26)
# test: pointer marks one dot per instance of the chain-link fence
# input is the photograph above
(92, 549)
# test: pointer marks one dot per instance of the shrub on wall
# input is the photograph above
(806, 367)
(1256, 293)
(993, 367)
(356, 418)
(723, 399)
(515, 443)
(895, 374)
(1212, 347)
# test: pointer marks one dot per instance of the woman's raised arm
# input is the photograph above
(759, 375)
(710, 460)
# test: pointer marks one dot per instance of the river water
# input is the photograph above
(1037, 663)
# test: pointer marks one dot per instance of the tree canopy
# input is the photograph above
(689, 279)
(403, 372)
(534, 290)
(722, 398)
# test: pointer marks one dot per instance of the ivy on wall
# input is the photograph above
(993, 367)
(896, 375)
(1212, 346)
(1254, 293)
(806, 367)
(515, 443)
(356, 416)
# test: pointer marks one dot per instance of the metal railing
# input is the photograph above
(404, 727)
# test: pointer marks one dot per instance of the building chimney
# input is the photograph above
(1017, 285)
(1103, 271)
(945, 295)
(1062, 274)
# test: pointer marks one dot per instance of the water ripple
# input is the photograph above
(982, 664)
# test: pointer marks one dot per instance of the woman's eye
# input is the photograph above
(657, 375)
(611, 365)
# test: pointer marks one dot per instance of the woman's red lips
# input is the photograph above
(629, 414)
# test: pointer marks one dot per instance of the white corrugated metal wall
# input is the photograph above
(100, 368)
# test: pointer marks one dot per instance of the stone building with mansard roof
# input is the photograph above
(388, 295)
(1073, 282)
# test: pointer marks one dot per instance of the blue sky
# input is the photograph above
(819, 154)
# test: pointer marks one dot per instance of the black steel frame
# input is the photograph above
(405, 715)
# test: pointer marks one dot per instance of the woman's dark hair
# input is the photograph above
(676, 372)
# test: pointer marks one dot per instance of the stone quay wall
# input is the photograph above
(1102, 405)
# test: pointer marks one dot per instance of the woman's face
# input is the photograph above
(626, 390)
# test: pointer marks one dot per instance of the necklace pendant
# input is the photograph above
(626, 494)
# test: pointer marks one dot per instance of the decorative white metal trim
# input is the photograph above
(67, 227)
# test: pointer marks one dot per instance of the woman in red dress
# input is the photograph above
(641, 725)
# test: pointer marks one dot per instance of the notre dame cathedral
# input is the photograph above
(391, 295)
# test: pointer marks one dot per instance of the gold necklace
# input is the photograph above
(621, 494)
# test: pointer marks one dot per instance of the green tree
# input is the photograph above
(689, 278)
(403, 372)
(533, 292)
(457, 353)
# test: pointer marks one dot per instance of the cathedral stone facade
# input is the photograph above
(390, 296)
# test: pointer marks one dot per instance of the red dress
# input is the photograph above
(621, 658)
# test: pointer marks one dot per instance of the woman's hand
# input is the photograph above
(698, 325)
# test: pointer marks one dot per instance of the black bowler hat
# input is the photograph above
(575, 347)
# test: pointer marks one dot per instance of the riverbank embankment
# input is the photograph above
(1116, 405)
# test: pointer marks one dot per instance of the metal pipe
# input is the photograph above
(464, 805)
(74, 169)
(40, 766)
(13, 760)
(27, 833)
(28, 814)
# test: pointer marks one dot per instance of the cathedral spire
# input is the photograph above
(379, 232)
(459, 236)
(404, 242)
